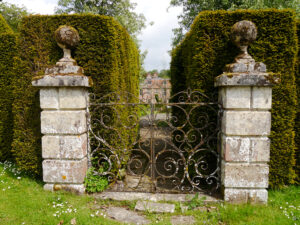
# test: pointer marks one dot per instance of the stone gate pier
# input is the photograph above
(63, 99)
(245, 93)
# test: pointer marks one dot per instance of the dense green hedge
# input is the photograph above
(4, 27)
(297, 124)
(207, 48)
(7, 52)
(106, 52)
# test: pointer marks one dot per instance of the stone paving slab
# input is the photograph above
(155, 207)
(125, 216)
(180, 220)
(132, 196)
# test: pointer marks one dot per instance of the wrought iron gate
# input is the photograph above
(155, 145)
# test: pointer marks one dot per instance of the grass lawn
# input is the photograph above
(23, 201)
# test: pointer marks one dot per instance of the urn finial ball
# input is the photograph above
(67, 37)
(243, 33)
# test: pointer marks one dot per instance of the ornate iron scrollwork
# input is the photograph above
(157, 146)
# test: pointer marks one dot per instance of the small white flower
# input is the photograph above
(54, 214)
(92, 215)
(19, 178)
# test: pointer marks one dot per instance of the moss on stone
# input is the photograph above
(67, 36)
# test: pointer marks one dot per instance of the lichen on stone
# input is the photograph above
(67, 36)
(243, 33)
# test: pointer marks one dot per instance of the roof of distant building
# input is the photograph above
(154, 81)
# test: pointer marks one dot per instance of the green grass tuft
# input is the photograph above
(23, 201)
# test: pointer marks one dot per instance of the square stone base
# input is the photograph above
(65, 171)
(75, 188)
(246, 195)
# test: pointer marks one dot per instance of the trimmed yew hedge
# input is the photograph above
(4, 27)
(207, 48)
(297, 125)
(7, 52)
(106, 52)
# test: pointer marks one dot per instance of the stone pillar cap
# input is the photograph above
(66, 72)
(62, 81)
(245, 71)
(247, 79)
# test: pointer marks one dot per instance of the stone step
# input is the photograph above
(154, 197)
(126, 216)
(154, 207)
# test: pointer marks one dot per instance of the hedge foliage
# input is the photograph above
(297, 124)
(106, 53)
(4, 27)
(7, 52)
(207, 48)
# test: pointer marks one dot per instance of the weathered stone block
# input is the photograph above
(63, 122)
(241, 175)
(75, 188)
(247, 79)
(236, 97)
(72, 98)
(236, 149)
(125, 216)
(49, 98)
(245, 195)
(262, 97)
(62, 81)
(64, 147)
(246, 123)
(154, 207)
(64, 171)
(260, 150)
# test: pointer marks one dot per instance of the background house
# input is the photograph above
(155, 89)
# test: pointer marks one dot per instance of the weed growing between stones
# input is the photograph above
(95, 183)
(195, 202)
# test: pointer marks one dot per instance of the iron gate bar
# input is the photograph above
(188, 179)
